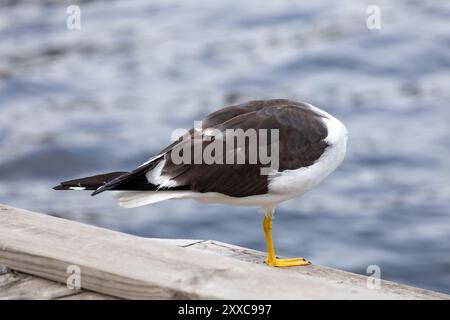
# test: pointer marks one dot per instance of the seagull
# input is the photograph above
(310, 144)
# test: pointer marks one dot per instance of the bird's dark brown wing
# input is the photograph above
(301, 143)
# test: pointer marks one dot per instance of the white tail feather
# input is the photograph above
(133, 199)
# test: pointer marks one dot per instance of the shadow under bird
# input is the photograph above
(311, 144)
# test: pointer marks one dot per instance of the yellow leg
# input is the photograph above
(271, 259)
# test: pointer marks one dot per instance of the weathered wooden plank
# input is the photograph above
(7, 277)
(359, 282)
(125, 266)
(15, 285)
(19, 286)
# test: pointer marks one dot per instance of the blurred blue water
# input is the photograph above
(108, 96)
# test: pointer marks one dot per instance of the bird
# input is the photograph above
(310, 144)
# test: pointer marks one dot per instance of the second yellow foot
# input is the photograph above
(287, 262)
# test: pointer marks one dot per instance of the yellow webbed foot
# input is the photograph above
(294, 262)
(271, 259)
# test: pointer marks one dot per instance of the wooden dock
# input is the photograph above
(43, 257)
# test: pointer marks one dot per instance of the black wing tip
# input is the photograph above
(63, 187)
